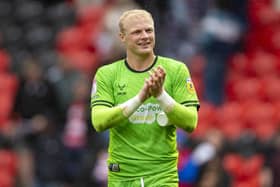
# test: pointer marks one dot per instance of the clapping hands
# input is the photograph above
(153, 86)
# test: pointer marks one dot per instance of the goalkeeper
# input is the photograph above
(142, 99)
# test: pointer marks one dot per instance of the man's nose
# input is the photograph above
(144, 34)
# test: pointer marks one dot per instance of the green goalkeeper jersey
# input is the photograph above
(141, 146)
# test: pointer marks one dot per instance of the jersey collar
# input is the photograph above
(150, 67)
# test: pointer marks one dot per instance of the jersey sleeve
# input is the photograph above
(102, 89)
(184, 91)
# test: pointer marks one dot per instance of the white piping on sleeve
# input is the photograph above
(142, 182)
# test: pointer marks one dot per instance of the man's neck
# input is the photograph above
(140, 63)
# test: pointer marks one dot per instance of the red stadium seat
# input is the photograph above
(198, 82)
(262, 13)
(72, 39)
(90, 15)
(6, 180)
(8, 168)
(271, 88)
(277, 112)
(232, 129)
(265, 130)
(206, 119)
(229, 111)
(202, 128)
(8, 87)
(239, 63)
(274, 39)
(257, 112)
(5, 107)
(232, 78)
(197, 65)
(83, 60)
(264, 64)
(207, 112)
(8, 162)
(230, 119)
(253, 165)
(247, 183)
(233, 164)
(4, 61)
(247, 89)
(244, 171)
(8, 83)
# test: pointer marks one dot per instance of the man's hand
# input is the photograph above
(156, 81)
(153, 86)
(144, 92)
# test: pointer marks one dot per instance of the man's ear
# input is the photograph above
(121, 35)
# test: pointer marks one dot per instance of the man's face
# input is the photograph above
(139, 36)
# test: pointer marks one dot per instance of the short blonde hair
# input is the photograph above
(134, 12)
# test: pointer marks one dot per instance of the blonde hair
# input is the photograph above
(134, 12)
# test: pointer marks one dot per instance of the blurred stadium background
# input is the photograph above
(50, 50)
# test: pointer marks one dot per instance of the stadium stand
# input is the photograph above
(249, 117)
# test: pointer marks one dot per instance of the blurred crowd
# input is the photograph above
(50, 50)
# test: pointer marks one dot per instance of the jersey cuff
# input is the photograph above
(101, 103)
(191, 103)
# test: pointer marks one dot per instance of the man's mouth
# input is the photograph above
(144, 44)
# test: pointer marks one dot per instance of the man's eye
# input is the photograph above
(136, 32)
